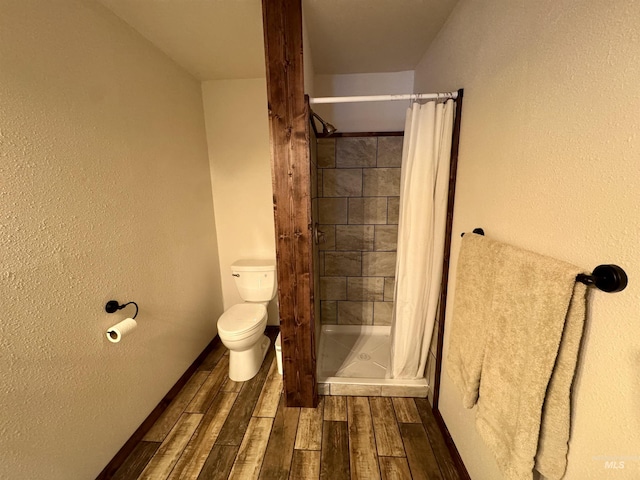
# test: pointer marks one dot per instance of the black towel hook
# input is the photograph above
(608, 278)
(113, 306)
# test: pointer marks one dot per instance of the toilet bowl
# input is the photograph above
(241, 327)
(241, 330)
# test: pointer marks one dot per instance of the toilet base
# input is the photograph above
(245, 365)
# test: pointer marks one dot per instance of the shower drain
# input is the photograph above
(364, 356)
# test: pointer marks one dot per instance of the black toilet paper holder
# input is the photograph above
(113, 306)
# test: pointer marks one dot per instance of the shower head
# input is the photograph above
(327, 128)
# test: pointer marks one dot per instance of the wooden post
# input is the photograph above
(290, 170)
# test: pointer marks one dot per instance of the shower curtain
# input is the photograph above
(421, 234)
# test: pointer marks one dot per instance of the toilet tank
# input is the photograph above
(255, 279)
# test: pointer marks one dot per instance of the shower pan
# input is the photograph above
(353, 360)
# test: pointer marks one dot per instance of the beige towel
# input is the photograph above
(471, 314)
(551, 459)
(531, 339)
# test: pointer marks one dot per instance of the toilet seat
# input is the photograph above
(242, 320)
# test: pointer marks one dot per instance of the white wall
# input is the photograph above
(239, 155)
(549, 161)
(364, 117)
(105, 195)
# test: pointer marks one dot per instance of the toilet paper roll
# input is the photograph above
(119, 330)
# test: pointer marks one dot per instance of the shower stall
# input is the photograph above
(357, 196)
(356, 182)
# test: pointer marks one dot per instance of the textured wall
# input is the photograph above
(549, 160)
(105, 190)
(364, 117)
(238, 135)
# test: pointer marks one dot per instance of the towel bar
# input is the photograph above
(608, 278)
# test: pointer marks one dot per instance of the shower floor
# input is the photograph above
(353, 360)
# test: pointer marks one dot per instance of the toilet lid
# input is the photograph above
(241, 318)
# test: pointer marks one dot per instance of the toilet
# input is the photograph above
(241, 327)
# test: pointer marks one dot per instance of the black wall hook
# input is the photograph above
(113, 306)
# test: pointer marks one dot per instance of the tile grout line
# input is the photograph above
(140, 476)
(218, 393)
(265, 447)
(375, 441)
(404, 446)
(185, 445)
(293, 452)
(182, 411)
(440, 463)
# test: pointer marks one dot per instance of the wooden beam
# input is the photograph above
(290, 169)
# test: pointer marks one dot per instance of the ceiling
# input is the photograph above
(222, 39)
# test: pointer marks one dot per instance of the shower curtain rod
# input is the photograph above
(384, 98)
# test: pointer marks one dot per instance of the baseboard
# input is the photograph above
(119, 458)
(451, 446)
(272, 328)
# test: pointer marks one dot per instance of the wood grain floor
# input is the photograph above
(220, 429)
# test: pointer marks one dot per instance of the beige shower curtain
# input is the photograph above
(421, 230)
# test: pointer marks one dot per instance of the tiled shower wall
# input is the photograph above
(358, 197)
